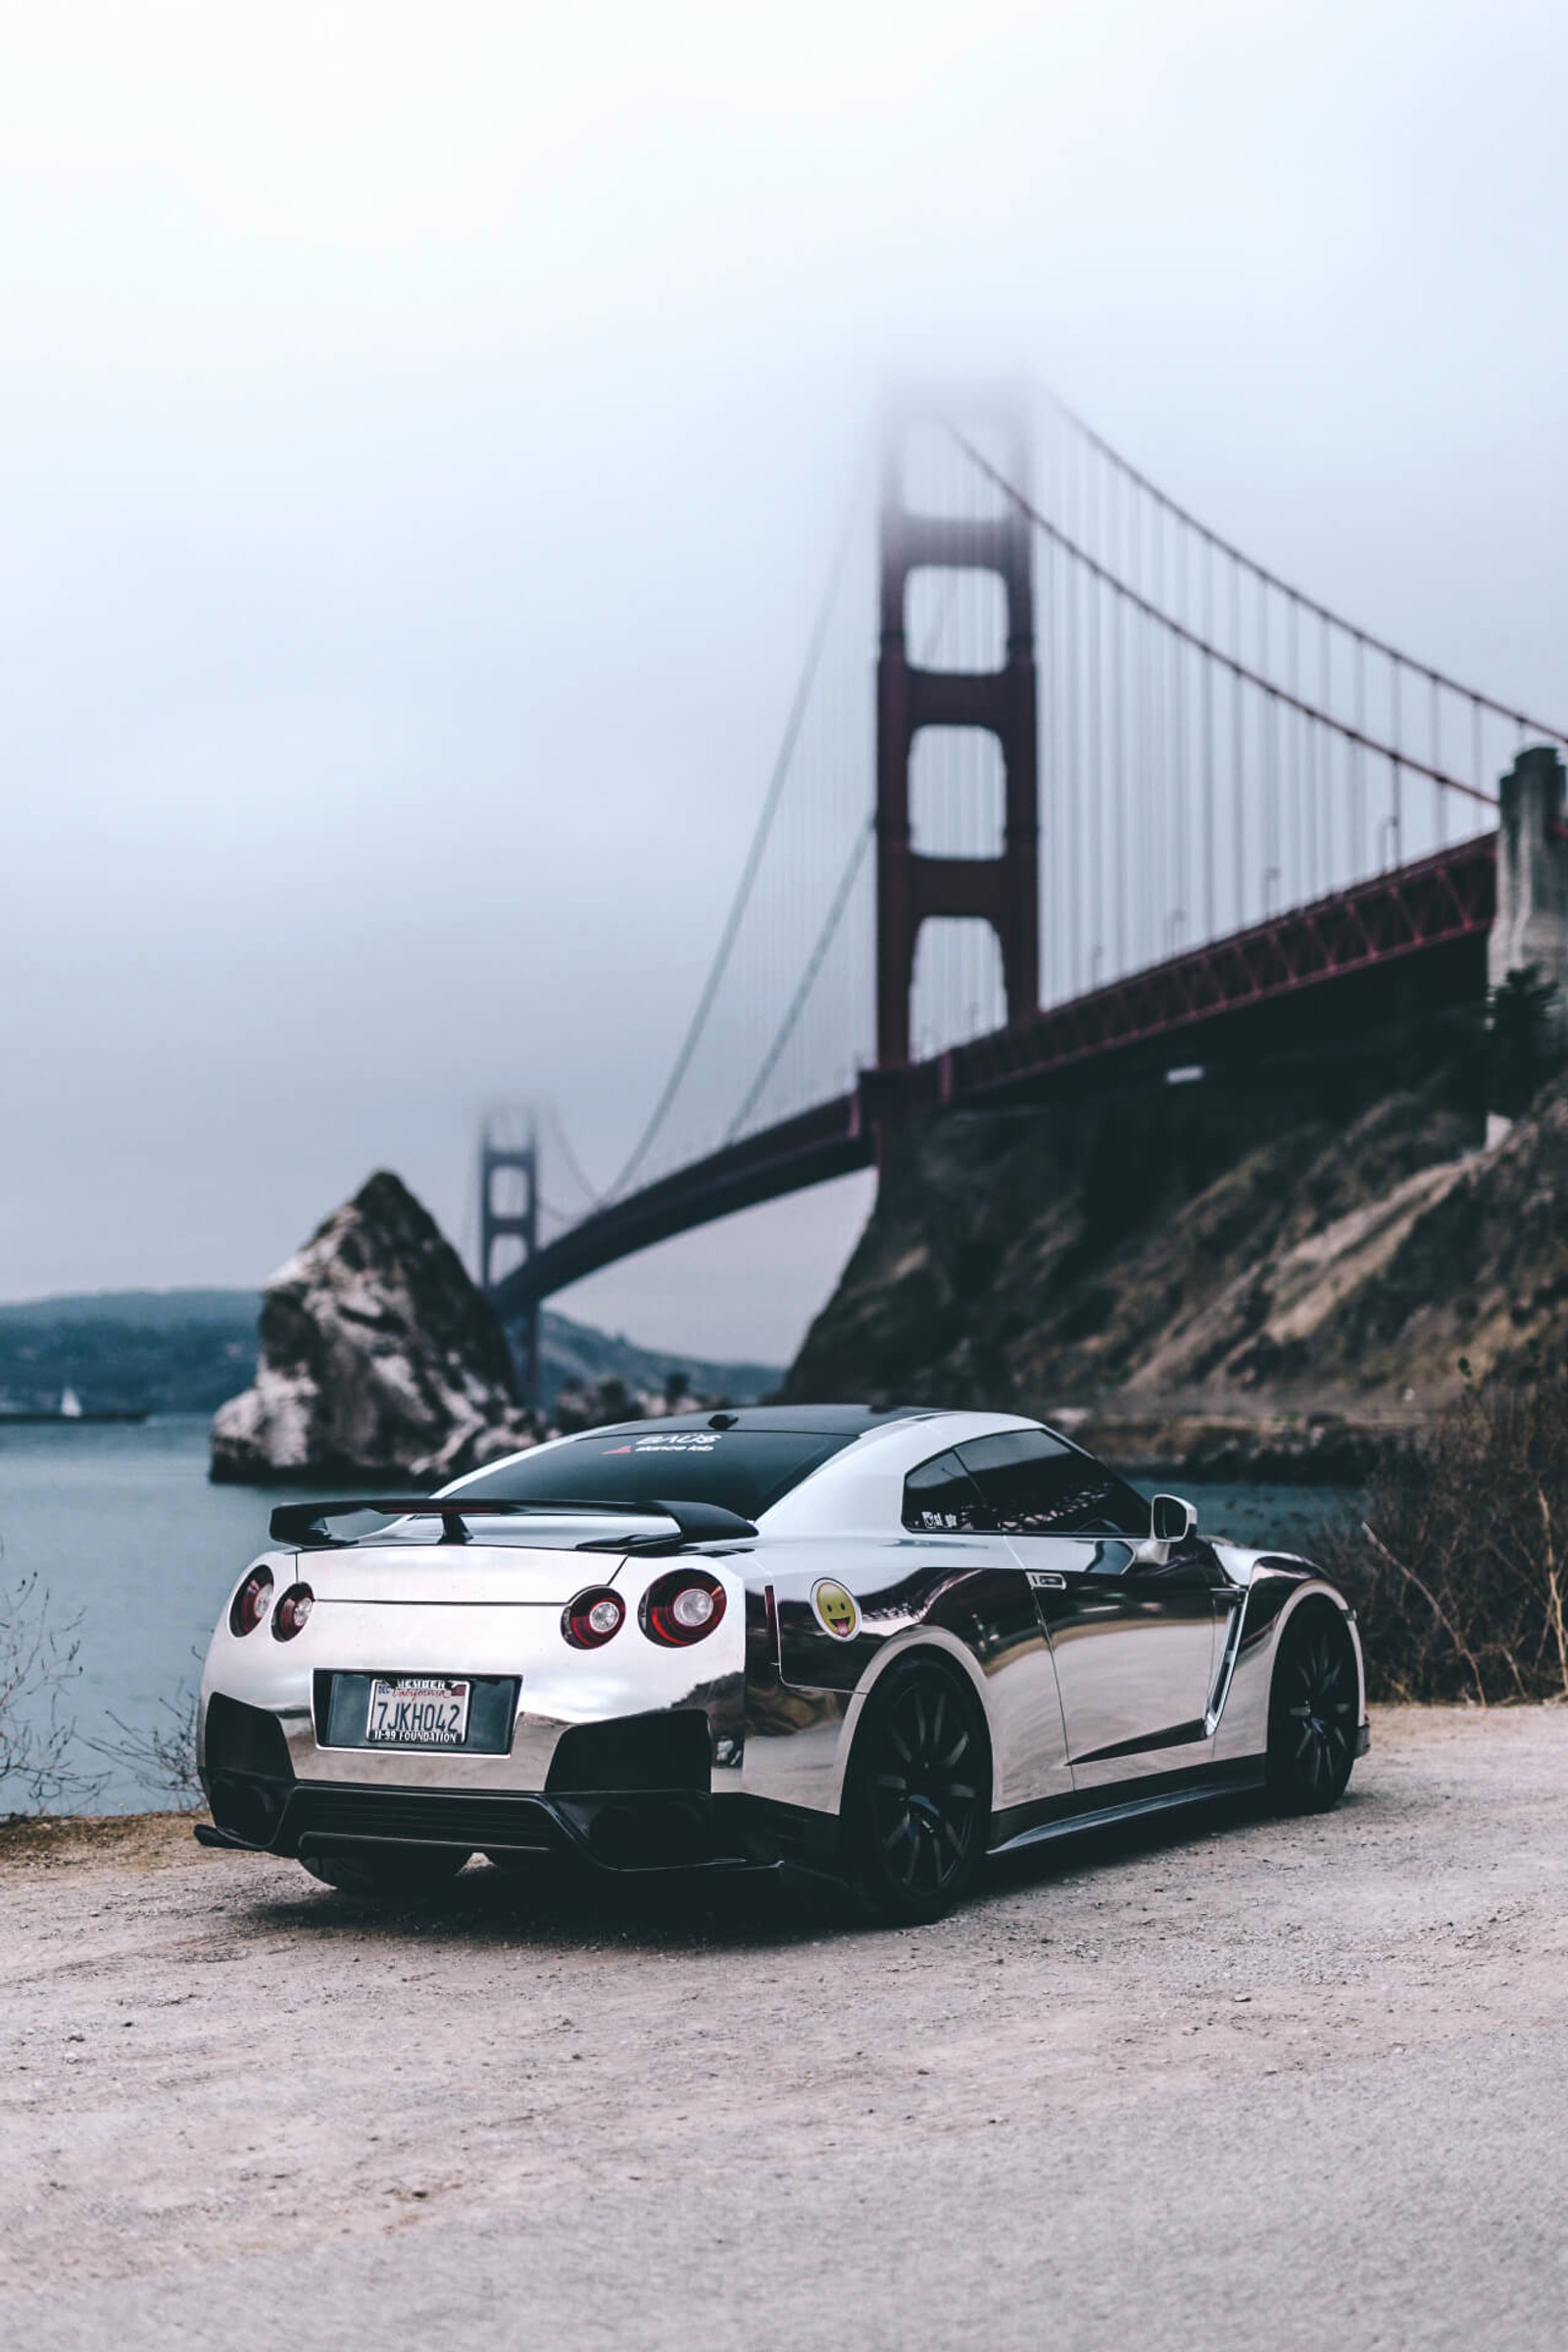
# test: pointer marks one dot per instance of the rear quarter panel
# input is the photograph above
(807, 1686)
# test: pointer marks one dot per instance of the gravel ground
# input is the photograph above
(1234, 2083)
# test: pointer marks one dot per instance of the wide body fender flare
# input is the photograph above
(1274, 1596)
(920, 1639)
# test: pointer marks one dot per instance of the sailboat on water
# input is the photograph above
(69, 1412)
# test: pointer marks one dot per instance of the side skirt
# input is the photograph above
(1065, 1817)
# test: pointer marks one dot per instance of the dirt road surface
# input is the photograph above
(1236, 2083)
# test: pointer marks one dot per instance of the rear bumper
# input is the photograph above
(625, 1793)
(626, 1832)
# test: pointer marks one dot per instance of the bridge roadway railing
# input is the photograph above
(1439, 909)
(1257, 988)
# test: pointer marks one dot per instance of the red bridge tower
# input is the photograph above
(1002, 891)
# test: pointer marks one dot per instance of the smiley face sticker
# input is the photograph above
(836, 1612)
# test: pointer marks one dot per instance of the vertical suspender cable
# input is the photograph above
(1396, 812)
(1358, 765)
(1237, 780)
(1118, 719)
(1210, 782)
(782, 764)
(1072, 773)
(1297, 809)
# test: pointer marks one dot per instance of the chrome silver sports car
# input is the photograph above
(880, 1644)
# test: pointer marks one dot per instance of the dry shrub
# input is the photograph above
(37, 1660)
(1459, 1567)
(160, 1754)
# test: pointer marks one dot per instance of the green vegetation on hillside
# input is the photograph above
(172, 1365)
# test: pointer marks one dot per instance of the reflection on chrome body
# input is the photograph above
(1114, 1672)
(1132, 1652)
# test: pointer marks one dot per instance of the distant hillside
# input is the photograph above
(187, 1351)
(576, 1354)
(148, 1352)
(146, 1310)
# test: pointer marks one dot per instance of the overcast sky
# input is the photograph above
(424, 431)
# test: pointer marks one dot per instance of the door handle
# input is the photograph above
(1047, 1580)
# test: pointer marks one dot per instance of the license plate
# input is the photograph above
(417, 1710)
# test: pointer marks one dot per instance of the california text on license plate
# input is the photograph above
(417, 1710)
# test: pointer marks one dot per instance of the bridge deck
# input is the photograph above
(1426, 920)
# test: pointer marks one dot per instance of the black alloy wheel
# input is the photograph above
(919, 1792)
(393, 1872)
(1313, 1712)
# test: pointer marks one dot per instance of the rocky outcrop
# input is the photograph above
(379, 1359)
(1317, 1273)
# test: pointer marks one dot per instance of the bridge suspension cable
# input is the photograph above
(808, 980)
(1283, 588)
(837, 907)
(590, 1191)
(1216, 653)
(752, 866)
(1216, 747)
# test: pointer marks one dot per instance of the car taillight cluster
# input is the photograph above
(254, 1600)
(291, 1612)
(593, 1618)
(680, 1608)
(251, 1602)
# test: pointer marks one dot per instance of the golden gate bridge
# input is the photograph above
(1112, 798)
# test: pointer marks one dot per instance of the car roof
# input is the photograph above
(793, 1420)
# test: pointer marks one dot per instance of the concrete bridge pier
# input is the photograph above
(1528, 947)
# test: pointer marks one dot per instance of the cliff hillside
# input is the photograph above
(1162, 1254)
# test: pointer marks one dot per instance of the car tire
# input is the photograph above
(917, 1796)
(1313, 1712)
(391, 1872)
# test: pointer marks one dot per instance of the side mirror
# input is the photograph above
(1172, 1520)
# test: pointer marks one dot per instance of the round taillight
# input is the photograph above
(594, 1618)
(682, 1607)
(251, 1602)
(291, 1612)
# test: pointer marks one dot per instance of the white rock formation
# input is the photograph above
(380, 1358)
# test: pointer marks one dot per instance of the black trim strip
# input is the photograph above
(678, 1827)
(1087, 1808)
(1180, 1735)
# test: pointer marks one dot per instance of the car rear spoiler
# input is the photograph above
(303, 1525)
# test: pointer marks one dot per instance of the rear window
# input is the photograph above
(742, 1470)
